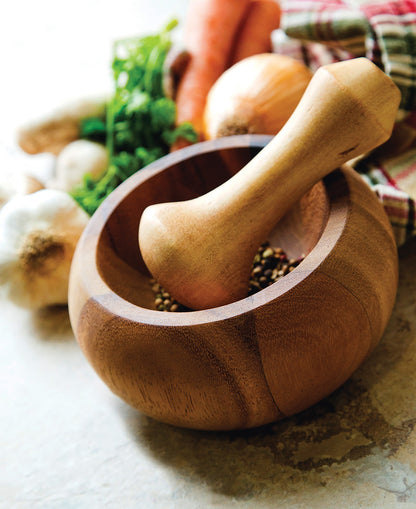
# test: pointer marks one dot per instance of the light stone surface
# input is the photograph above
(66, 442)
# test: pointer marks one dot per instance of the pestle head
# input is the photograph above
(189, 247)
(371, 87)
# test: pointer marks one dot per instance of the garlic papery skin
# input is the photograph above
(14, 184)
(77, 159)
(255, 96)
(53, 130)
(38, 236)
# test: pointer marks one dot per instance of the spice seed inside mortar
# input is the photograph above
(269, 265)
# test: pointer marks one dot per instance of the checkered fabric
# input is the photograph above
(320, 32)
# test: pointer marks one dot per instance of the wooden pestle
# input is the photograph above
(202, 250)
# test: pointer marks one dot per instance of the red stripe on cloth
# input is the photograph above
(399, 213)
(396, 8)
(386, 175)
(312, 6)
(324, 28)
(405, 173)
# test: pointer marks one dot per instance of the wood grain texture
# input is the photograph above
(189, 246)
(260, 358)
(328, 323)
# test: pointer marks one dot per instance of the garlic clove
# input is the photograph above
(58, 127)
(77, 159)
(38, 236)
(15, 183)
(255, 96)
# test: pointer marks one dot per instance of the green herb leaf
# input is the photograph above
(163, 113)
(184, 130)
(140, 121)
(93, 129)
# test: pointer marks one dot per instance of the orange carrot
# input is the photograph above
(209, 32)
(254, 35)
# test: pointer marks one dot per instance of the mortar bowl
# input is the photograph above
(256, 360)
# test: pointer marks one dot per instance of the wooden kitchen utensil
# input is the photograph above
(255, 360)
(201, 250)
(274, 353)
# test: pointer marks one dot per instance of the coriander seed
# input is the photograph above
(269, 265)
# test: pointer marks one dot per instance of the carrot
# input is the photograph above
(209, 31)
(254, 35)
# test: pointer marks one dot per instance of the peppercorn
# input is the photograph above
(269, 265)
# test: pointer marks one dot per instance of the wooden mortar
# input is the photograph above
(257, 359)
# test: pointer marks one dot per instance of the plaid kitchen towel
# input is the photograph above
(319, 32)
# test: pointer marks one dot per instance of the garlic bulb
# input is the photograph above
(52, 131)
(14, 184)
(77, 159)
(38, 235)
(256, 95)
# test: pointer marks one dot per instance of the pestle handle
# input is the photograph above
(348, 109)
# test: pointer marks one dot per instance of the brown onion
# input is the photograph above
(256, 95)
